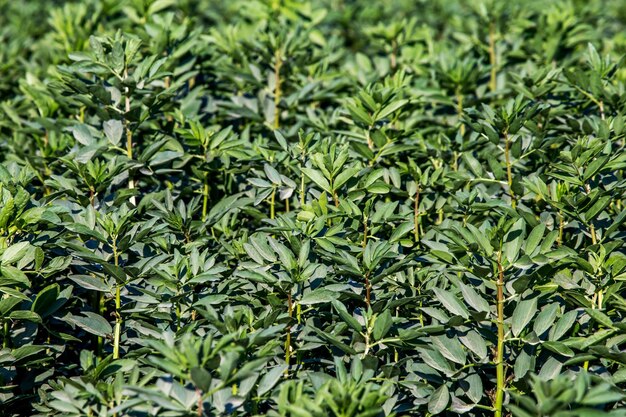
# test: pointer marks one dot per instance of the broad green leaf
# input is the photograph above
(318, 179)
(318, 296)
(513, 240)
(438, 400)
(522, 315)
(451, 302)
(92, 323)
(471, 296)
(382, 325)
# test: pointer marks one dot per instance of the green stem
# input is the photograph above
(205, 195)
(416, 215)
(509, 173)
(129, 137)
(592, 229)
(278, 63)
(272, 203)
(98, 306)
(459, 110)
(493, 85)
(288, 330)
(559, 240)
(500, 374)
(118, 306)
(5, 336)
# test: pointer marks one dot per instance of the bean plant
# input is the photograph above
(312, 208)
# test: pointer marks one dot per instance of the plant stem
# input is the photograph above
(5, 336)
(492, 57)
(118, 306)
(459, 109)
(368, 289)
(272, 203)
(559, 240)
(601, 107)
(416, 214)
(98, 307)
(200, 406)
(365, 231)
(301, 190)
(129, 137)
(278, 63)
(288, 331)
(205, 197)
(509, 174)
(592, 229)
(500, 374)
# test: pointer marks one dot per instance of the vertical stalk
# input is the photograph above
(500, 374)
(416, 214)
(118, 306)
(394, 55)
(272, 203)
(459, 109)
(302, 188)
(129, 137)
(368, 289)
(5, 335)
(367, 274)
(509, 174)
(288, 330)
(592, 229)
(200, 406)
(205, 196)
(365, 232)
(559, 240)
(98, 307)
(278, 63)
(601, 107)
(493, 85)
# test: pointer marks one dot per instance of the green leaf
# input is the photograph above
(113, 130)
(481, 239)
(474, 299)
(340, 308)
(382, 325)
(45, 302)
(513, 240)
(559, 348)
(563, 325)
(25, 315)
(438, 400)
(450, 348)
(318, 179)
(534, 238)
(271, 378)
(318, 296)
(83, 135)
(92, 323)
(522, 315)
(451, 302)
(201, 378)
(545, 319)
(600, 317)
(14, 253)
(272, 174)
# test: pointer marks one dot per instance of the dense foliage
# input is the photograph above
(312, 208)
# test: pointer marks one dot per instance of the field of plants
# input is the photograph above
(312, 208)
